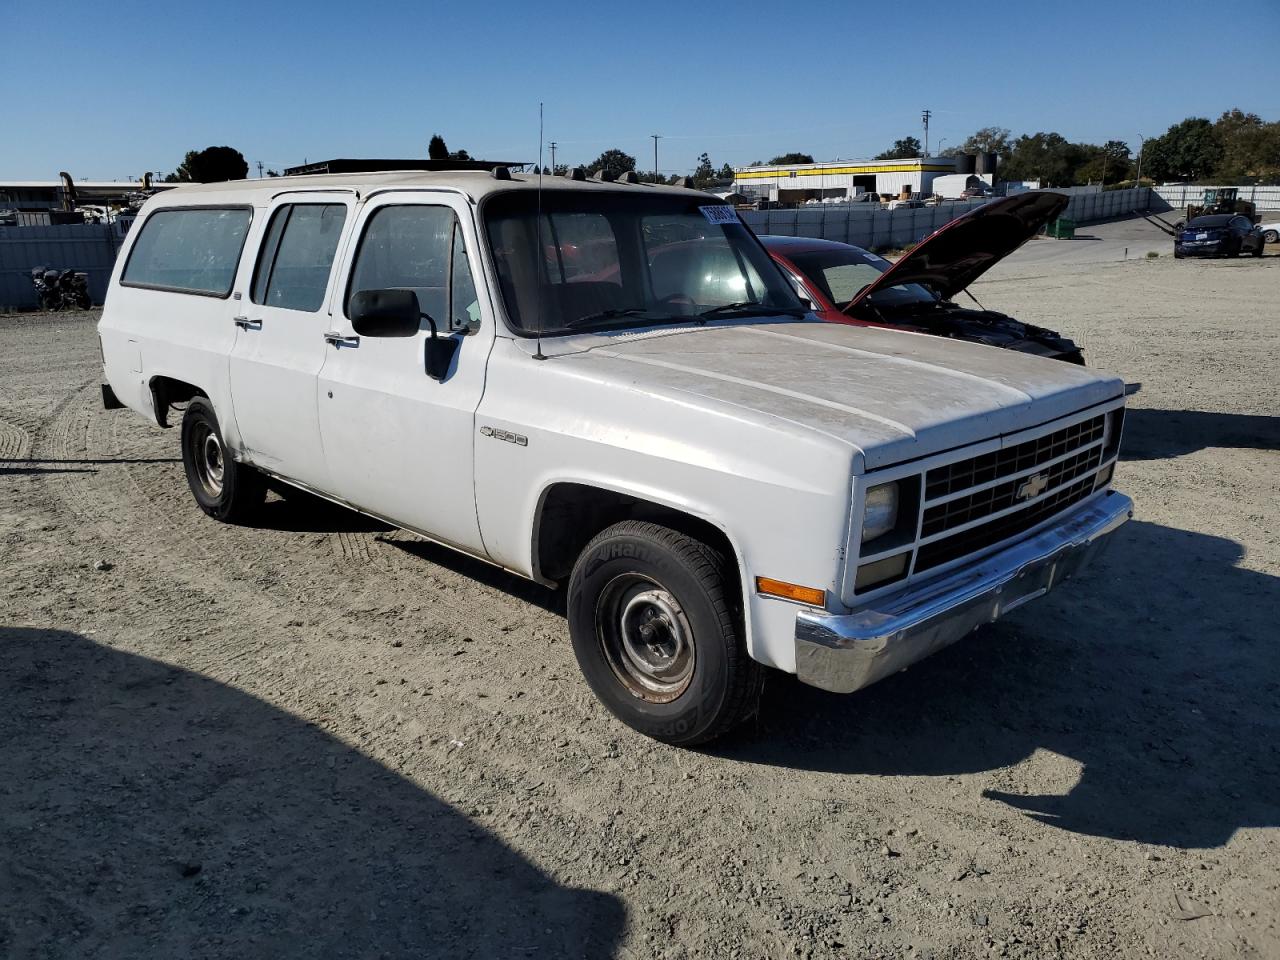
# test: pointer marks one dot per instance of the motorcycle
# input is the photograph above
(61, 289)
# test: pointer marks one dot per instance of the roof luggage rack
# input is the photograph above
(351, 165)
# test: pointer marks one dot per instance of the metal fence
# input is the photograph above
(1266, 198)
(863, 227)
(88, 247)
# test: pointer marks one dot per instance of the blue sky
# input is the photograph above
(108, 89)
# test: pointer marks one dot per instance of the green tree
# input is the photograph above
(787, 159)
(437, 149)
(1109, 163)
(726, 173)
(907, 148)
(987, 140)
(273, 173)
(1047, 157)
(1250, 148)
(210, 165)
(459, 155)
(614, 161)
(703, 173)
(1189, 150)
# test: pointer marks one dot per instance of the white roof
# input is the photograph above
(471, 183)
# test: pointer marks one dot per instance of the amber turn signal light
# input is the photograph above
(791, 591)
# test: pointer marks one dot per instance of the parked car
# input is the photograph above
(1270, 232)
(912, 204)
(847, 284)
(720, 483)
(1219, 235)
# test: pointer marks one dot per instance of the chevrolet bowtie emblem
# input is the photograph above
(1033, 487)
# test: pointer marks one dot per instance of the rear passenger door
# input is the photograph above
(282, 319)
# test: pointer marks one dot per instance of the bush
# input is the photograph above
(1152, 254)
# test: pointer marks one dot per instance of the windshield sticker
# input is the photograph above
(720, 213)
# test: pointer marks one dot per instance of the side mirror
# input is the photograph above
(440, 352)
(385, 313)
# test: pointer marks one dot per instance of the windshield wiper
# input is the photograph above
(749, 308)
(616, 314)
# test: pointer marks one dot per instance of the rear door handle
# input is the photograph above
(341, 340)
(244, 323)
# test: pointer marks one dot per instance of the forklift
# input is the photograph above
(1220, 200)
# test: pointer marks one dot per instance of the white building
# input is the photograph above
(796, 183)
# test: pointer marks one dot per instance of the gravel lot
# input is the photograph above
(324, 738)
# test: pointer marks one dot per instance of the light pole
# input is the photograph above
(656, 137)
(940, 143)
(1142, 145)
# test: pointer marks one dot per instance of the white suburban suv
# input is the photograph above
(610, 385)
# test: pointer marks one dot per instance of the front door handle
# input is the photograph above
(341, 340)
(244, 323)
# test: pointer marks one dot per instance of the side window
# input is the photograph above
(465, 309)
(419, 248)
(194, 250)
(297, 256)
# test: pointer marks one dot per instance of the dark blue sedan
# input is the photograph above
(1218, 235)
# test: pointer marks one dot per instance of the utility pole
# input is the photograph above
(925, 117)
(259, 169)
(656, 137)
(1142, 144)
(553, 157)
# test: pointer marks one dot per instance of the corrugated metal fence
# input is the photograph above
(80, 246)
(1266, 198)
(865, 227)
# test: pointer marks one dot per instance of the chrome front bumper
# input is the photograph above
(846, 652)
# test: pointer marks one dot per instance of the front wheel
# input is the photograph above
(656, 631)
(225, 489)
(1271, 236)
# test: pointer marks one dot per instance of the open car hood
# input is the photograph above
(956, 254)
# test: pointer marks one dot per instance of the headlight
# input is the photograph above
(880, 514)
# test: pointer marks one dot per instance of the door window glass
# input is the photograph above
(297, 256)
(408, 248)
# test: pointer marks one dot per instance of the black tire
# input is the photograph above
(225, 489)
(695, 681)
(1257, 251)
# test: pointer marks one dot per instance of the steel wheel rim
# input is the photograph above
(646, 638)
(209, 457)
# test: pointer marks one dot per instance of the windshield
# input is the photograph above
(841, 275)
(610, 259)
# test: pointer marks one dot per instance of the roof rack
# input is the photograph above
(353, 165)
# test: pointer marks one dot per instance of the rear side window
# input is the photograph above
(193, 250)
(297, 255)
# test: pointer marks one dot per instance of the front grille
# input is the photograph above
(962, 510)
(941, 481)
(976, 538)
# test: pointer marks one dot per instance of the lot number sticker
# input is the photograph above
(720, 213)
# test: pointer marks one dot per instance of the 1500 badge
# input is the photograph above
(518, 439)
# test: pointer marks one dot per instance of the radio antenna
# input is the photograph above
(540, 256)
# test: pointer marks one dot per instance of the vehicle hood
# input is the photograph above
(891, 395)
(956, 254)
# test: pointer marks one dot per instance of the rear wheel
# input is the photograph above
(224, 489)
(656, 632)
(1271, 236)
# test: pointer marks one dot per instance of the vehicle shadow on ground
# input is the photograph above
(548, 599)
(1158, 671)
(300, 512)
(29, 466)
(150, 812)
(1157, 434)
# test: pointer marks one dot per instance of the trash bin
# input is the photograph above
(1062, 229)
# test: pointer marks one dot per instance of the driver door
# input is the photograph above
(399, 444)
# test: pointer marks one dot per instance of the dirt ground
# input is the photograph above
(319, 737)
